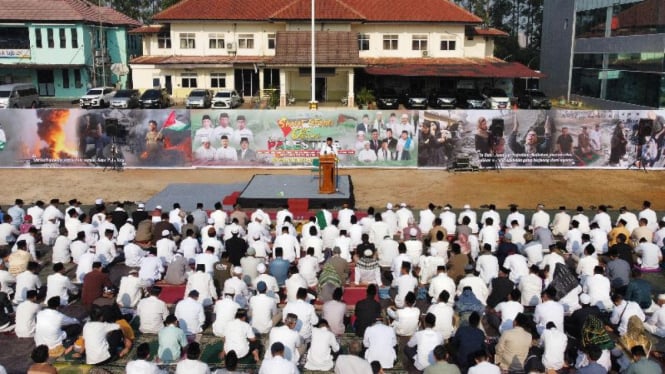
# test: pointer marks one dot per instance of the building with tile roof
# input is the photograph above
(254, 45)
(64, 46)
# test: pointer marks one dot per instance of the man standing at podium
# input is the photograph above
(329, 147)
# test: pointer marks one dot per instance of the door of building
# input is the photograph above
(45, 83)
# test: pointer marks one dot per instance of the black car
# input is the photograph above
(155, 98)
(534, 99)
(387, 98)
(470, 98)
(414, 99)
(442, 99)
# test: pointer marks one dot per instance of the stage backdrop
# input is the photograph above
(293, 138)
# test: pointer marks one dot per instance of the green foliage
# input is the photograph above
(365, 96)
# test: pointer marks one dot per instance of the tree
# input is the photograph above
(168, 3)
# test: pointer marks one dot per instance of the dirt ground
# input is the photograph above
(372, 187)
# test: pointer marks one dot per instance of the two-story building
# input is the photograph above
(253, 45)
(64, 46)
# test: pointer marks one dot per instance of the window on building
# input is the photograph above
(77, 78)
(188, 80)
(246, 41)
(216, 41)
(419, 42)
(75, 37)
(272, 41)
(164, 40)
(187, 40)
(448, 45)
(363, 42)
(217, 80)
(49, 38)
(63, 38)
(65, 78)
(390, 42)
(38, 38)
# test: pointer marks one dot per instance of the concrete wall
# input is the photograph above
(556, 46)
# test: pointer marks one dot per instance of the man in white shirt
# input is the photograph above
(477, 285)
(649, 254)
(561, 222)
(225, 152)
(515, 215)
(582, 220)
(597, 286)
(487, 265)
(53, 327)
(225, 311)
(540, 218)
(531, 286)
(650, 215)
(554, 343)
(405, 320)
(406, 283)
(130, 290)
(27, 280)
(473, 217)
(448, 219)
(483, 366)
(305, 312)
(441, 282)
(151, 268)
(262, 309)
(37, 213)
(142, 364)
(60, 252)
(277, 363)
(603, 219)
(26, 316)
(390, 219)
(308, 267)
(288, 337)
(656, 323)
(239, 337)
(426, 218)
(517, 264)
(380, 341)
(587, 264)
(289, 244)
(445, 315)
(324, 345)
(387, 251)
(548, 311)
(58, 284)
(192, 364)
(126, 233)
(509, 310)
(422, 343)
(133, 254)
(573, 237)
(202, 282)
(152, 312)
(489, 234)
(623, 311)
(404, 216)
(190, 314)
(78, 247)
(166, 248)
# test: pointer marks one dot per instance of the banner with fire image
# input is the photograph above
(95, 138)
(270, 138)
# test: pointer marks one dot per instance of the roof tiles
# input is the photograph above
(61, 10)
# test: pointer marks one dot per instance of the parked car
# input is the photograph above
(497, 98)
(125, 99)
(470, 98)
(199, 98)
(442, 99)
(387, 98)
(226, 99)
(534, 99)
(155, 98)
(414, 99)
(19, 95)
(98, 97)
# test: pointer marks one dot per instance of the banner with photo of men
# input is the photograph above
(486, 139)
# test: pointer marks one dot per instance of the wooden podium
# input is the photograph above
(327, 173)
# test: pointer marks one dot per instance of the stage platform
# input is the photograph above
(274, 191)
(188, 194)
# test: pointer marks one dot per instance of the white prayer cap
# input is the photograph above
(99, 202)
(237, 270)
(467, 206)
(165, 233)
(389, 206)
(261, 268)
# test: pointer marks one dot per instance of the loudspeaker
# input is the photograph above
(111, 126)
(496, 128)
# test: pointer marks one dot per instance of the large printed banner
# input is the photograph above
(293, 138)
(95, 138)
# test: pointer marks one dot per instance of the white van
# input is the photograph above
(19, 95)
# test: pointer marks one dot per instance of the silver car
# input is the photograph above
(226, 99)
(126, 99)
(199, 98)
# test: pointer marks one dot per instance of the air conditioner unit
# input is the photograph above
(425, 53)
(98, 53)
(231, 47)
